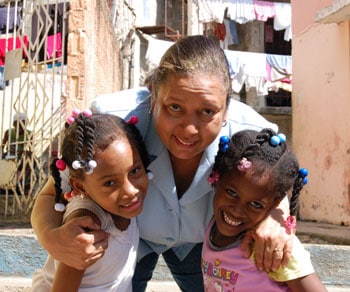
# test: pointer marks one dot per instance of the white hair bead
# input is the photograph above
(150, 175)
(92, 164)
(76, 164)
(59, 207)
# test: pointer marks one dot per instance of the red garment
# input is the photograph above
(54, 46)
(220, 31)
(11, 45)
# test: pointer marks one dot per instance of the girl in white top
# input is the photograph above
(106, 159)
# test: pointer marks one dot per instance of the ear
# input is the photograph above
(76, 185)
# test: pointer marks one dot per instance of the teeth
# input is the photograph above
(231, 222)
(185, 143)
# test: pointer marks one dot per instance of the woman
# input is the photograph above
(189, 108)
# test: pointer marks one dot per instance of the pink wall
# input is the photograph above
(321, 112)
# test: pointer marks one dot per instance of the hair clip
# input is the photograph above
(244, 164)
(223, 145)
(303, 172)
(291, 224)
(133, 120)
(213, 178)
(61, 165)
(276, 140)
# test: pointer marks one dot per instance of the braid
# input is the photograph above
(79, 134)
(57, 178)
(89, 138)
(299, 183)
(255, 152)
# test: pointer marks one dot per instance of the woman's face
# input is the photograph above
(188, 113)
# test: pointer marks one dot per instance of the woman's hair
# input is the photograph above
(254, 151)
(88, 136)
(192, 55)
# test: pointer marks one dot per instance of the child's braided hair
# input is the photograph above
(265, 157)
(85, 137)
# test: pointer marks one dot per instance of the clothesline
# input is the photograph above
(243, 11)
(261, 71)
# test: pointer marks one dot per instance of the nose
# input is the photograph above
(128, 189)
(190, 124)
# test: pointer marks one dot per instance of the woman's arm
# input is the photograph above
(270, 235)
(69, 243)
(309, 283)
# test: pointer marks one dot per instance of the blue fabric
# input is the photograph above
(186, 273)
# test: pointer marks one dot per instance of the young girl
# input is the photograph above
(252, 172)
(106, 159)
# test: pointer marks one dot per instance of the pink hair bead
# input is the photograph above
(87, 113)
(61, 165)
(133, 120)
(70, 120)
(75, 112)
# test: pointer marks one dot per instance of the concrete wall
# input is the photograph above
(321, 107)
(93, 53)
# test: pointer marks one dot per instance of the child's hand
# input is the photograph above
(77, 248)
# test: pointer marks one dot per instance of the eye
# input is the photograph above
(208, 112)
(256, 205)
(231, 193)
(135, 170)
(109, 183)
(174, 107)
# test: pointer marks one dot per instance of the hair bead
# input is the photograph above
(75, 112)
(150, 175)
(223, 145)
(133, 120)
(76, 164)
(59, 207)
(60, 164)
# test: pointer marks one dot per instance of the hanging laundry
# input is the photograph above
(231, 37)
(241, 11)
(283, 19)
(212, 10)
(8, 44)
(9, 19)
(264, 10)
(54, 46)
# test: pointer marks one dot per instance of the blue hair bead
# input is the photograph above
(224, 139)
(304, 172)
(282, 137)
(223, 145)
(305, 180)
(275, 140)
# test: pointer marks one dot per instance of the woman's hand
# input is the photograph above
(74, 246)
(272, 244)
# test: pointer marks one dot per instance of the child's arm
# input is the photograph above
(68, 242)
(68, 279)
(309, 283)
